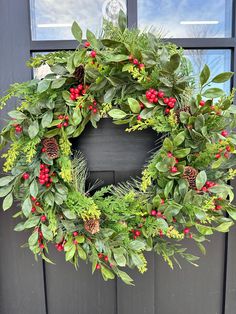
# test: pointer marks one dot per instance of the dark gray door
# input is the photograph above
(28, 287)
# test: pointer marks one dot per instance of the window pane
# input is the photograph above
(187, 18)
(52, 19)
(217, 60)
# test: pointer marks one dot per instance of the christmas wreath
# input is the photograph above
(141, 81)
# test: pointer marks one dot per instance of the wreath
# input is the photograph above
(139, 80)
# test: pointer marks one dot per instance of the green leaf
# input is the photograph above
(134, 105)
(58, 83)
(81, 253)
(91, 38)
(213, 93)
(162, 166)
(181, 153)
(201, 179)
(205, 230)
(34, 188)
(62, 189)
(49, 198)
(178, 140)
(33, 129)
(117, 114)
(20, 226)
(224, 227)
(183, 187)
(122, 21)
(7, 202)
(222, 77)
(231, 212)
(70, 254)
(47, 233)
(5, 190)
(33, 238)
(77, 117)
(171, 211)
(168, 188)
(107, 273)
(31, 222)
(204, 75)
(109, 95)
(26, 206)
(15, 114)
(47, 119)
(116, 58)
(137, 245)
(77, 32)
(43, 86)
(5, 180)
(119, 257)
(174, 62)
(125, 277)
(168, 145)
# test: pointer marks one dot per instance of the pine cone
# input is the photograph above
(51, 147)
(184, 109)
(190, 175)
(79, 74)
(92, 226)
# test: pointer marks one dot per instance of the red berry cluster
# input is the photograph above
(93, 107)
(18, 128)
(65, 121)
(136, 233)
(60, 246)
(208, 185)
(136, 62)
(186, 232)
(101, 256)
(76, 92)
(44, 177)
(157, 213)
(40, 238)
(170, 102)
(152, 95)
(35, 204)
(217, 205)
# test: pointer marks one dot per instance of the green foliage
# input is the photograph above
(183, 191)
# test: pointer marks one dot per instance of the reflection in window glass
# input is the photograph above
(52, 19)
(217, 60)
(187, 18)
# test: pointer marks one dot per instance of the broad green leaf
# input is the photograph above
(7, 202)
(174, 62)
(181, 153)
(15, 114)
(117, 114)
(33, 129)
(116, 58)
(20, 226)
(43, 86)
(5, 180)
(47, 119)
(222, 77)
(137, 245)
(49, 198)
(31, 222)
(5, 190)
(81, 253)
(119, 257)
(91, 38)
(58, 83)
(107, 273)
(168, 144)
(62, 189)
(162, 166)
(76, 31)
(125, 277)
(134, 105)
(168, 188)
(47, 233)
(34, 188)
(231, 212)
(122, 21)
(178, 140)
(205, 230)
(109, 95)
(224, 227)
(26, 206)
(213, 93)
(183, 187)
(70, 254)
(204, 75)
(201, 179)
(171, 211)
(33, 239)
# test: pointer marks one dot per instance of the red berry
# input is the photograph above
(159, 214)
(25, 176)
(162, 201)
(137, 233)
(48, 185)
(59, 247)
(72, 97)
(167, 110)
(139, 118)
(94, 110)
(161, 233)
(217, 156)
(173, 169)
(59, 126)
(160, 94)
(67, 118)
(186, 230)
(218, 207)
(98, 266)
(135, 62)
(171, 104)
(33, 198)
(169, 154)
(75, 233)
(72, 90)
(166, 100)
(18, 129)
(60, 117)
(202, 103)
(65, 124)
(226, 155)
(141, 66)
(75, 242)
(130, 57)
(190, 236)
(41, 246)
(43, 150)
(37, 203)
(224, 133)
(93, 54)
(90, 107)
(80, 87)
(106, 258)
(33, 210)
(141, 105)
(87, 44)
(100, 255)
(42, 166)
(176, 160)
(204, 189)
(153, 212)
(228, 148)
(43, 218)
